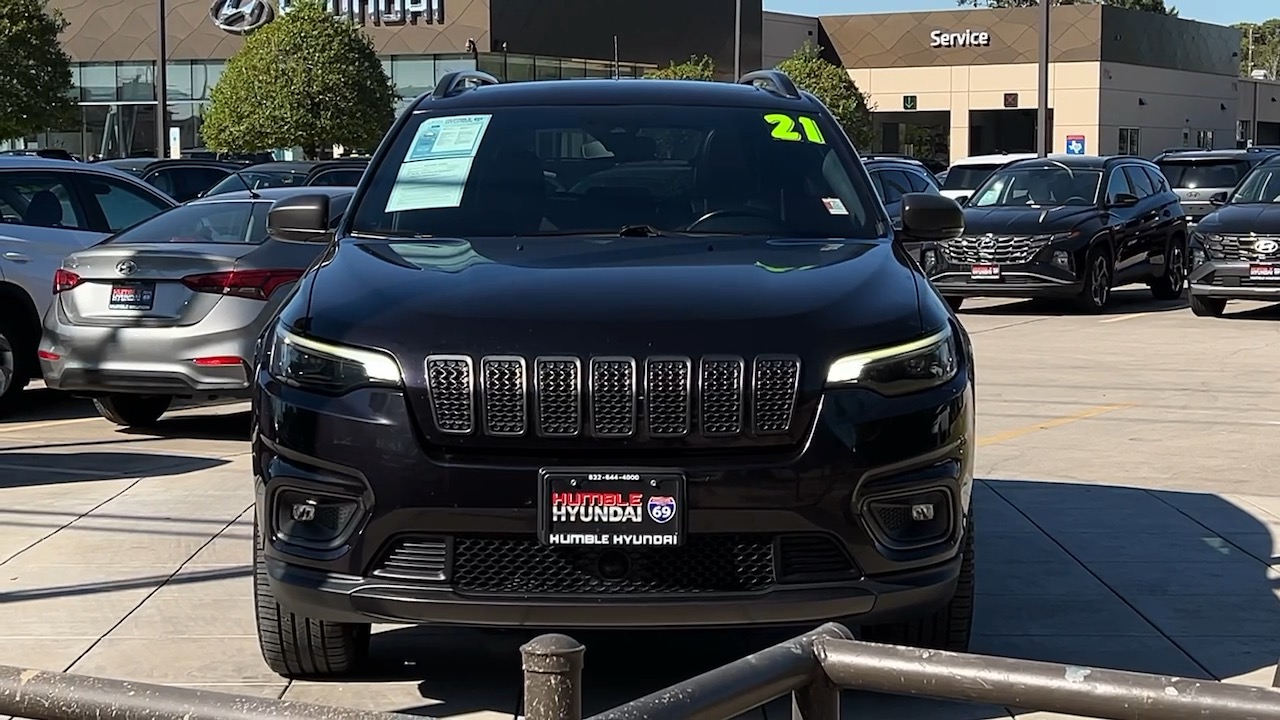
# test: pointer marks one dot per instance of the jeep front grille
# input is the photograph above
(1007, 249)
(613, 397)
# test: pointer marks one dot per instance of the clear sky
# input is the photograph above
(1223, 12)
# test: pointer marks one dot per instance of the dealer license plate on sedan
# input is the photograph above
(985, 272)
(611, 508)
(132, 296)
(1264, 272)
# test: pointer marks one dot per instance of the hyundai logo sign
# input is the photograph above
(244, 16)
(241, 16)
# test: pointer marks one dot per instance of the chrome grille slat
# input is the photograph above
(775, 384)
(613, 396)
(503, 387)
(1241, 247)
(1009, 249)
(563, 396)
(669, 395)
(451, 385)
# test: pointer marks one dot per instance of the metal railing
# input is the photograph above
(813, 669)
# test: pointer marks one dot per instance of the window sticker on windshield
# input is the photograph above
(835, 206)
(784, 128)
(434, 172)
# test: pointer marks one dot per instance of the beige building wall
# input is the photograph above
(783, 34)
(1267, 93)
(1073, 95)
(1164, 104)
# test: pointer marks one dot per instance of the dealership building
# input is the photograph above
(956, 83)
(944, 84)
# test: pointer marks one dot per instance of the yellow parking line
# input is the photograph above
(1048, 424)
(23, 427)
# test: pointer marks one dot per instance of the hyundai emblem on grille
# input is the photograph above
(126, 267)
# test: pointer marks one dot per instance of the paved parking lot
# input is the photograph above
(1125, 519)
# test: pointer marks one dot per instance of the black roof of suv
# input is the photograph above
(708, 289)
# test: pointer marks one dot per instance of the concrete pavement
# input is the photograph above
(1126, 519)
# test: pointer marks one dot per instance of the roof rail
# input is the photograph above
(774, 81)
(461, 80)
(1180, 149)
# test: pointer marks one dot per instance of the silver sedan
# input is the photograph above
(173, 306)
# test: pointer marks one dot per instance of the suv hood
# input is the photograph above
(1262, 218)
(1029, 220)
(637, 296)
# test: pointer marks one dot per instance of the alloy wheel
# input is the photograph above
(8, 367)
(1177, 270)
(1101, 286)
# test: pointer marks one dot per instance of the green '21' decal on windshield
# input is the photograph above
(784, 128)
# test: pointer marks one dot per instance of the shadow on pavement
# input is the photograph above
(218, 426)
(1266, 312)
(24, 469)
(1151, 581)
(1123, 302)
(40, 404)
(186, 577)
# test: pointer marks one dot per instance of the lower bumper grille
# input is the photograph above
(520, 565)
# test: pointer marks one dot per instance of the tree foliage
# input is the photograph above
(308, 79)
(695, 68)
(1260, 47)
(35, 72)
(832, 85)
(1155, 6)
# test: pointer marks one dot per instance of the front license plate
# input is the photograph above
(1264, 272)
(620, 508)
(132, 296)
(985, 272)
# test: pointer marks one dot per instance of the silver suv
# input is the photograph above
(1203, 178)
(48, 210)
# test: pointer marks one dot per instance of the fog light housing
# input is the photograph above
(1197, 257)
(910, 520)
(1062, 259)
(313, 519)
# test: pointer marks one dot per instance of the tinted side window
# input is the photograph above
(1117, 184)
(122, 205)
(896, 185)
(920, 183)
(199, 179)
(875, 180)
(40, 199)
(1139, 181)
(163, 180)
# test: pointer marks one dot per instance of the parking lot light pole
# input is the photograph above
(162, 80)
(1042, 109)
(737, 39)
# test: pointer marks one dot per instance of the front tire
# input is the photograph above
(299, 647)
(1170, 286)
(946, 629)
(1096, 292)
(133, 410)
(13, 351)
(1205, 306)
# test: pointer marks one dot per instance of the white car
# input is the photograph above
(48, 210)
(965, 175)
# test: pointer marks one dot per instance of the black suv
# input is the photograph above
(695, 382)
(1068, 226)
(895, 177)
(1235, 250)
(1198, 176)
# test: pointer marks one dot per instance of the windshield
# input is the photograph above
(345, 177)
(562, 170)
(967, 177)
(256, 180)
(1191, 174)
(1058, 185)
(1260, 186)
(235, 222)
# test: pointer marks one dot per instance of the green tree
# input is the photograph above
(832, 85)
(35, 72)
(695, 68)
(1260, 47)
(1155, 6)
(308, 79)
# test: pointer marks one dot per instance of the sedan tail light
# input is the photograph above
(64, 280)
(253, 284)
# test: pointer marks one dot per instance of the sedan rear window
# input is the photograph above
(1223, 174)
(223, 223)
(251, 180)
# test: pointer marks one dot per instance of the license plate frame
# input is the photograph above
(985, 272)
(635, 524)
(1264, 271)
(136, 296)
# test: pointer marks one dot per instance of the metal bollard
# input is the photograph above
(552, 677)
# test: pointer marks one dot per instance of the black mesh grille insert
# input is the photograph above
(722, 396)
(559, 396)
(505, 403)
(705, 564)
(613, 397)
(776, 384)
(419, 559)
(668, 393)
(451, 385)
(812, 558)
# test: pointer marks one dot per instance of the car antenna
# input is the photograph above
(252, 193)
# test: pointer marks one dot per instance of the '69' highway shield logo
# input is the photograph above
(241, 16)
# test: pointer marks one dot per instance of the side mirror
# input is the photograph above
(301, 218)
(1124, 200)
(930, 218)
(1219, 198)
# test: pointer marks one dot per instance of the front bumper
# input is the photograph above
(1022, 280)
(772, 539)
(1231, 279)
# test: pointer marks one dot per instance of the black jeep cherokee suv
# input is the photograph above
(1235, 250)
(615, 353)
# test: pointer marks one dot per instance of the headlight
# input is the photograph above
(1064, 236)
(329, 368)
(1211, 243)
(901, 369)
